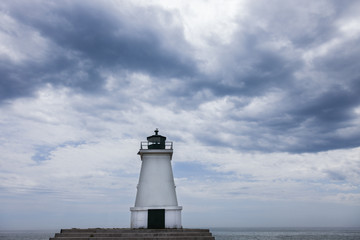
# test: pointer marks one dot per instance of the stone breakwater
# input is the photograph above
(132, 234)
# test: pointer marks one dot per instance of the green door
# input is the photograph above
(156, 218)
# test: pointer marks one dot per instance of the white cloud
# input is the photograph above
(244, 130)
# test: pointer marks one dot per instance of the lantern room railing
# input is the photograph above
(152, 145)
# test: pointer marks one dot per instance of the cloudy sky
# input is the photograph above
(261, 100)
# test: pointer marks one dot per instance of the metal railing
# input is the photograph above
(145, 145)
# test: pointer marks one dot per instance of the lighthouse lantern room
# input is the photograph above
(156, 204)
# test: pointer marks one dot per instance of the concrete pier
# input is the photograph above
(132, 234)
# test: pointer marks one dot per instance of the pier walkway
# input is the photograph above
(132, 234)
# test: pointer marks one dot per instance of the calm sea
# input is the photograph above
(27, 235)
(229, 234)
(286, 233)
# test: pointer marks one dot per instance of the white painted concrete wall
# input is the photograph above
(156, 183)
(156, 189)
(173, 218)
(139, 217)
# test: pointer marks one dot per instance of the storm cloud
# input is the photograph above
(81, 41)
(261, 99)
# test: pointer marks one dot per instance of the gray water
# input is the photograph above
(27, 234)
(286, 233)
(227, 234)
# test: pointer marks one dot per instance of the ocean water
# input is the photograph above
(27, 234)
(286, 233)
(227, 234)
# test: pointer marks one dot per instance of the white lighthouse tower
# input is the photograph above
(156, 204)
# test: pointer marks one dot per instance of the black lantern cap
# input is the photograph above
(156, 141)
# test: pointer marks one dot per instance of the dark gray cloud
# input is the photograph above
(335, 175)
(316, 108)
(101, 75)
(88, 38)
(265, 55)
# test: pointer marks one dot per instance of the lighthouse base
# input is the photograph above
(156, 217)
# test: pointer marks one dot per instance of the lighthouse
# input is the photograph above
(156, 204)
(156, 207)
